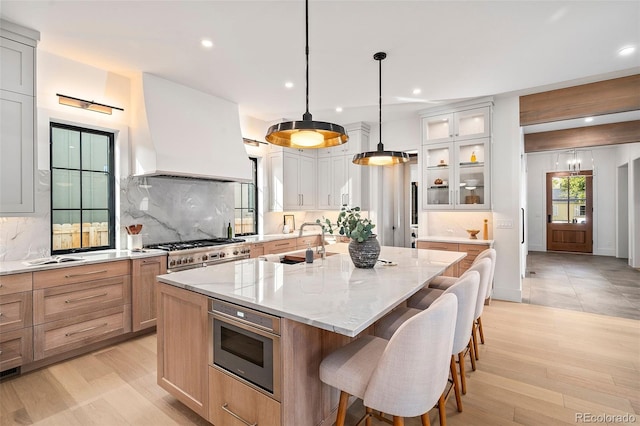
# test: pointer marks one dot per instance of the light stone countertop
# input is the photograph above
(331, 294)
(18, 266)
(458, 240)
(263, 238)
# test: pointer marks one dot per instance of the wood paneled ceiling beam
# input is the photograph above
(580, 137)
(587, 100)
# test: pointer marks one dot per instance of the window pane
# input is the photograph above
(96, 228)
(238, 195)
(251, 199)
(66, 148)
(66, 189)
(95, 152)
(95, 190)
(66, 229)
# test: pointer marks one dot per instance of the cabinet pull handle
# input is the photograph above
(84, 330)
(85, 298)
(224, 407)
(86, 273)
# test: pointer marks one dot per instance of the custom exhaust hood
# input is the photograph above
(181, 132)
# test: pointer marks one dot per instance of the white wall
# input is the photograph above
(606, 160)
(505, 187)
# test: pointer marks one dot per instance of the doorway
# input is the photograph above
(570, 211)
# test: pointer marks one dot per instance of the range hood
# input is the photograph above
(181, 132)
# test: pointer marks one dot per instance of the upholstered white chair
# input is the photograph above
(466, 291)
(425, 297)
(442, 282)
(404, 376)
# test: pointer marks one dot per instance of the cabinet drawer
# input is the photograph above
(55, 303)
(15, 311)
(16, 283)
(302, 242)
(16, 348)
(280, 246)
(464, 265)
(76, 274)
(432, 245)
(228, 396)
(472, 250)
(67, 334)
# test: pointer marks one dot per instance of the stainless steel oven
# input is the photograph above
(246, 344)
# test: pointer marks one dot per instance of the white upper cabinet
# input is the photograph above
(17, 118)
(292, 183)
(456, 158)
(465, 124)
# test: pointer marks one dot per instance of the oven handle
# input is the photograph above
(246, 325)
(227, 410)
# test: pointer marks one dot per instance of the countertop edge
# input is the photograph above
(17, 266)
(459, 240)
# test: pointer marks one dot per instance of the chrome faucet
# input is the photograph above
(324, 255)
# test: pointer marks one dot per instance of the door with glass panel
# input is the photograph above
(570, 212)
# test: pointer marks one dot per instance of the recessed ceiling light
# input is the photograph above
(588, 119)
(416, 91)
(338, 109)
(626, 51)
(206, 43)
(288, 85)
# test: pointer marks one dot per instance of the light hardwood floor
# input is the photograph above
(539, 366)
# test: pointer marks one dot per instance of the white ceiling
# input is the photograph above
(450, 49)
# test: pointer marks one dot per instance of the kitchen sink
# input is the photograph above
(293, 257)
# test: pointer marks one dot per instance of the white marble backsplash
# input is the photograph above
(170, 209)
(28, 237)
(174, 209)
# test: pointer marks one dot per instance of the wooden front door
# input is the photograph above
(570, 212)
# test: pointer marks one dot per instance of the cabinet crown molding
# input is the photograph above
(457, 106)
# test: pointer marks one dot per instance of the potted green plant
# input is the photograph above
(364, 248)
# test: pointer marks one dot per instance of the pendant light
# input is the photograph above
(380, 157)
(306, 133)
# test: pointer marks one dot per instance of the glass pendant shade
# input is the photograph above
(306, 133)
(380, 157)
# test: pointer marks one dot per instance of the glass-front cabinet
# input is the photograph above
(456, 175)
(466, 124)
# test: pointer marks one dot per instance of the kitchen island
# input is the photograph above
(320, 306)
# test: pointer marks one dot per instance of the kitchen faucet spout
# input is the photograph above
(324, 251)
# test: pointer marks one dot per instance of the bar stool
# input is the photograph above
(425, 297)
(466, 291)
(404, 376)
(444, 282)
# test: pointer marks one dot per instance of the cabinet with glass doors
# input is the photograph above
(456, 175)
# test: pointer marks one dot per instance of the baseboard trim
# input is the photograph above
(507, 294)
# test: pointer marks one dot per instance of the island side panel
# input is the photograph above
(305, 399)
(182, 346)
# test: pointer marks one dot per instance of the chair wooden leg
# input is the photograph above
(472, 355)
(456, 384)
(342, 408)
(398, 421)
(369, 412)
(480, 330)
(442, 410)
(463, 379)
(474, 328)
(425, 419)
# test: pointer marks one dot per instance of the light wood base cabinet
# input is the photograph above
(459, 268)
(16, 348)
(183, 346)
(56, 337)
(143, 290)
(233, 403)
